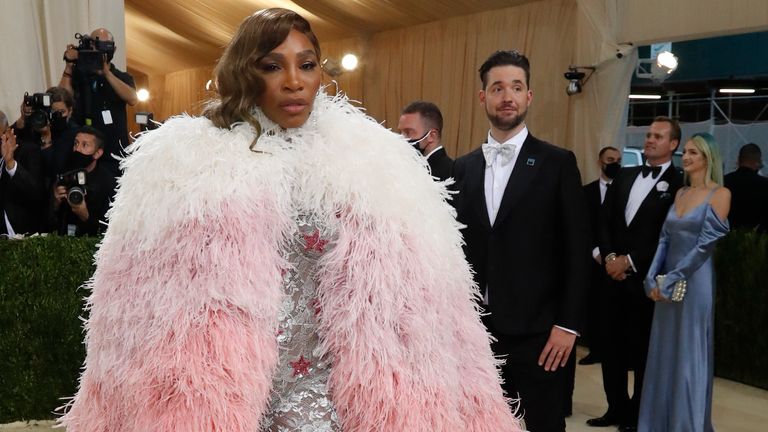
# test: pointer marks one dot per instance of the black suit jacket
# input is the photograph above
(21, 195)
(440, 164)
(641, 237)
(749, 199)
(534, 258)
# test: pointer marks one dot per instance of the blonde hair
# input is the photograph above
(237, 78)
(708, 147)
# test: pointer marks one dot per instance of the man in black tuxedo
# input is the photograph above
(609, 161)
(21, 206)
(526, 239)
(749, 191)
(421, 123)
(633, 212)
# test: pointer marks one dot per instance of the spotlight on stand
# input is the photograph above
(334, 68)
(577, 78)
(661, 64)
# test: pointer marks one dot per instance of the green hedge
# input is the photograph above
(741, 308)
(41, 348)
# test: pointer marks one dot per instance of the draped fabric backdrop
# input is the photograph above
(35, 36)
(437, 61)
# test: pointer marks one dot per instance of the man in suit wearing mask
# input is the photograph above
(609, 161)
(421, 123)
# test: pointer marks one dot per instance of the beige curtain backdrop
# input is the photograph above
(36, 33)
(438, 61)
(597, 114)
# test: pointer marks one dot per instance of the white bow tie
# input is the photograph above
(491, 151)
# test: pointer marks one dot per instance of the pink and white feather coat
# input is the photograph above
(185, 298)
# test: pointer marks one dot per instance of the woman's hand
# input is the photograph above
(656, 296)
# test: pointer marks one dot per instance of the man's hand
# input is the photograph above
(80, 210)
(104, 66)
(59, 196)
(557, 350)
(617, 268)
(8, 149)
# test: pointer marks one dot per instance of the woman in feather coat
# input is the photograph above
(283, 263)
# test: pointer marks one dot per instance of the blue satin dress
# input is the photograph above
(677, 391)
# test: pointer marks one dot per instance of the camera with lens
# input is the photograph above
(74, 181)
(91, 53)
(40, 103)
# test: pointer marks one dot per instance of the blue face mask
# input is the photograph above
(416, 141)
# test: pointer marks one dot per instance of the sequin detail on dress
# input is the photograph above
(300, 398)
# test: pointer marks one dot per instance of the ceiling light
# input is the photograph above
(143, 95)
(737, 90)
(667, 61)
(349, 62)
(645, 96)
(659, 67)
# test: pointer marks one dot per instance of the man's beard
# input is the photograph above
(508, 124)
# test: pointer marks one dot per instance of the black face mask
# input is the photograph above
(58, 123)
(77, 160)
(611, 170)
(416, 141)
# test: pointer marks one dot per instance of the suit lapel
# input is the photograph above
(630, 175)
(653, 195)
(527, 165)
(476, 187)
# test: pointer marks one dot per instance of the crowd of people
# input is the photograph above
(60, 156)
(284, 262)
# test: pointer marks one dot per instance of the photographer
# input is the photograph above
(82, 193)
(20, 183)
(50, 126)
(101, 91)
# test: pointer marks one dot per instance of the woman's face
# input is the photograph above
(292, 75)
(693, 159)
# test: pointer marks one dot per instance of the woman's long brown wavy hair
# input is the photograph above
(237, 77)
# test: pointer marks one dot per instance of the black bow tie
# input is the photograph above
(654, 171)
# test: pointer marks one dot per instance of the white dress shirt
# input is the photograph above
(640, 189)
(603, 188)
(497, 175)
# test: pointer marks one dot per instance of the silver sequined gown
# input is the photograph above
(300, 398)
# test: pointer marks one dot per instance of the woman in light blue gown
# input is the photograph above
(677, 391)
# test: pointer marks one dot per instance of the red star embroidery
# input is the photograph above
(314, 242)
(315, 305)
(300, 366)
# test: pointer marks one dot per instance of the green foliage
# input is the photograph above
(41, 337)
(741, 308)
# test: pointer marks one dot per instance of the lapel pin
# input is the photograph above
(531, 161)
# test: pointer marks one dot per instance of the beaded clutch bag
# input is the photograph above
(681, 287)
